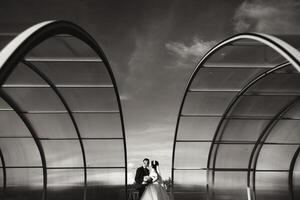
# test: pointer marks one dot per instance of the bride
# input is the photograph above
(155, 191)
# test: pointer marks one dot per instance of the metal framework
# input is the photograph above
(289, 57)
(15, 53)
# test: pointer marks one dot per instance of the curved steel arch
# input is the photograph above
(291, 54)
(15, 51)
(262, 138)
(291, 173)
(60, 96)
(3, 170)
(28, 125)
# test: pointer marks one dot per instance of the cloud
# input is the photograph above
(188, 55)
(268, 16)
(197, 49)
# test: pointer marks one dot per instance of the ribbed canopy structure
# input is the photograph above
(62, 133)
(237, 134)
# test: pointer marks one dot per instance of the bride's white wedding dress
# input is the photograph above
(155, 191)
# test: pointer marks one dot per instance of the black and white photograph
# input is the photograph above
(150, 100)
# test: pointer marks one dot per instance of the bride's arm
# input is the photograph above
(154, 177)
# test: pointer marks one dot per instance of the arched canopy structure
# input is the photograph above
(62, 133)
(237, 132)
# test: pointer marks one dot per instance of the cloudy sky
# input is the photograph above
(153, 46)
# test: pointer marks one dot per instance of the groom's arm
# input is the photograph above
(138, 177)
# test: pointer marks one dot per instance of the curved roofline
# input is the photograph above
(290, 53)
(14, 52)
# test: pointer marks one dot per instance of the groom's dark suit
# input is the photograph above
(139, 177)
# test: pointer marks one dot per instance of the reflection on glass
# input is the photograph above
(15, 129)
(190, 155)
(62, 153)
(276, 157)
(106, 177)
(20, 152)
(83, 73)
(207, 103)
(233, 156)
(35, 99)
(65, 184)
(94, 125)
(90, 99)
(52, 125)
(243, 129)
(104, 153)
(24, 177)
(285, 131)
(24, 76)
(231, 185)
(278, 83)
(260, 106)
(223, 78)
(197, 128)
(272, 185)
(190, 180)
(62, 46)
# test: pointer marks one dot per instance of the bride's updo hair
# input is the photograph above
(154, 164)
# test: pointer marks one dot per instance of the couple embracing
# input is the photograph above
(149, 182)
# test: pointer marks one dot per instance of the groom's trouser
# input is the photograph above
(141, 191)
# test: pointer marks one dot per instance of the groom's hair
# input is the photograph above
(146, 159)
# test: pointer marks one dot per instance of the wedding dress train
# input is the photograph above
(155, 191)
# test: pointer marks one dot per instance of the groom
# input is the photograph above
(141, 175)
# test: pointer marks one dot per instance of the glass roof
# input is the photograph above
(62, 134)
(236, 132)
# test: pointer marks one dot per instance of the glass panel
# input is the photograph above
(289, 69)
(106, 177)
(1, 178)
(99, 126)
(189, 195)
(191, 155)
(262, 106)
(285, 83)
(76, 73)
(243, 130)
(294, 112)
(223, 79)
(285, 131)
(90, 99)
(65, 184)
(35, 99)
(106, 183)
(233, 155)
(53, 125)
(197, 128)
(63, 178)
(24, 177)
(104, 153)
(11, 125)
(246, 55)
(276, 157)
(62, 153)
(65, 46)
(23, 75)
(296, 184)
(190, 180)
(4, 105)
(272, 186)
(20, 152)
(230, 185)
(26, 183)
(296, 178)
(205, 103)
